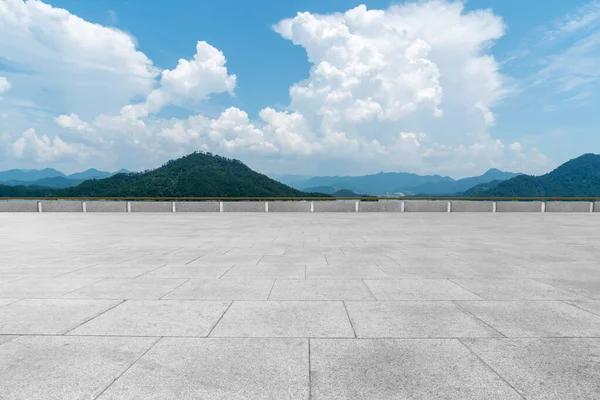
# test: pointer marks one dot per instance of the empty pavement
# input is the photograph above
(298, 306)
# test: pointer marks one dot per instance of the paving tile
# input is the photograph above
(401, 369)
(421, 272)
(111, 271)
(544, 368)
(414, 319)
(267, 272)
(535, 318)
(188, 271)
(127, 289)
(43, 287)
(65, 368)
(223, 289)
(350, 271)
(35, 272)
(284, 319)
(592, 306)
(514, 289)
(4, 302)
(208, 369)
(6, 339)
(49, 316)
(156, 318)
(586, 287)
(419, 289)
(320, 289)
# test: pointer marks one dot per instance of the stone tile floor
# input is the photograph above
(298, 306)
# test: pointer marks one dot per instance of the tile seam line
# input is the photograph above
(468, 290)
(492, 369)
(147, 272)
(566, 290)
(94, 317)
(271, 291)
(576, 306)
(79, 288)
(219, 320)
(349, 319)
(369, 289)
(128, 368)
(175, 288)
(460, 306)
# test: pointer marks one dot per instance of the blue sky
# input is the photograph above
(432, 87)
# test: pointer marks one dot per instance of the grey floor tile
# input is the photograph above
(414, 319)
(589, 288)
(592, 306)
(266, 272)
(544, 368)
(188, 271)
(43, 287)
(350, 271)
(223, 289)
(156, 318)
(401, 369)
(49, 316)
(320, 289)
(284, 319)
(210, 369)
(111, 271)
(65, 368)
(536, 318)
(127, 289)
(6, 339)
(422, 272)
(4, 302)
(514, 289)
(419, 289)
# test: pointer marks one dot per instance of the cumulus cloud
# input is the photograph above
(85, 68)
(44, 149)
(4, 84)
(412, 87)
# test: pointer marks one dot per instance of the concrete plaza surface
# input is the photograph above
(299, 306)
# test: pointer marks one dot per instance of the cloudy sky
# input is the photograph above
(302, 87)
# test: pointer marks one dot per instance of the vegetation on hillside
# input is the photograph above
(579, 177)
(195, 175)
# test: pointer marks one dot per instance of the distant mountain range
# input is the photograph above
(579, 177)
(50, 177)
(207, 175)
(195, 175)
(386, 183)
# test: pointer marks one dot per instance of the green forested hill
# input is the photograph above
(195, 175)
(579, 177)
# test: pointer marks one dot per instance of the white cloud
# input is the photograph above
(4, 84)
(584, 17)
(84, 68)
(73, 122)
(412, 87)
(44, 149)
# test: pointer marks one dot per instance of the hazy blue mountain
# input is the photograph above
(381, 183)
(579, 177)
(461, 185)
(91, 173)
(295, 181)
(28, 175)
(49, 177)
